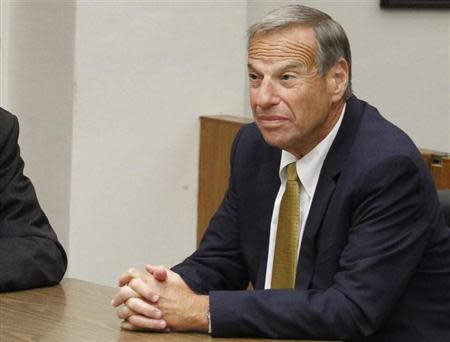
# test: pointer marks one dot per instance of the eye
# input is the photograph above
(252, 76)
(254, 79)
(287, 77)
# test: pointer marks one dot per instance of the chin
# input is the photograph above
(273, 139)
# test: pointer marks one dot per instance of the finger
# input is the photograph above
(125, 292)
(143, 289)
(143, 308)
(159, 272)
(128, 275)
(149, 268)
(123, 312)
(128, 326)
(147, 323)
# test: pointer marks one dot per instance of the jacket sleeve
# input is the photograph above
(390, 227)
(217, 264)
(30, 254)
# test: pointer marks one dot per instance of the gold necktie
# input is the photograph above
(286, 245)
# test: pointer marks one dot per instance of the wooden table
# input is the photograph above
(75, 311)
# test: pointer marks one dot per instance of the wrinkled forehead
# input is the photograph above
(294, 43)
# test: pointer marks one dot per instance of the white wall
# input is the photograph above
(400, 62)
(4, 19)
(37, 86)
(144, 73)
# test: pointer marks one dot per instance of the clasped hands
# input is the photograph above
(159, 300)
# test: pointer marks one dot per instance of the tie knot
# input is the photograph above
(291, 172)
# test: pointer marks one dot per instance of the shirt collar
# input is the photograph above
(309, 166)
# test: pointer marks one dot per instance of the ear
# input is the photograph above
(337, 79)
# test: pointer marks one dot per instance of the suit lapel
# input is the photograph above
(305, 267)
(259, 184)
(268, 186)
(329, 175)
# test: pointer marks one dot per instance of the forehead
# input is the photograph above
(291, 44)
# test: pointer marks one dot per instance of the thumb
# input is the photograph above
(159, 272)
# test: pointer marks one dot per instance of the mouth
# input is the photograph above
(271, 121)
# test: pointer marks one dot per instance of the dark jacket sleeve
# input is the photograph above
(30, 254)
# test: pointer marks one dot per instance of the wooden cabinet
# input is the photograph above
(216, 137)
(439, 165)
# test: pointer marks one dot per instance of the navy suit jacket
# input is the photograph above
(374, 263)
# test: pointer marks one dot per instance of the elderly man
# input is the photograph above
(30, 254)
(330, 214)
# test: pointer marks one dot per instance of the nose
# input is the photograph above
(266, 94)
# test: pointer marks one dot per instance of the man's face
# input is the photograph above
(292, 105)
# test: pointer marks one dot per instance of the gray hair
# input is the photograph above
(331, 40)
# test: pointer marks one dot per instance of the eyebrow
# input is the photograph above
(293, 65)
(290, 65)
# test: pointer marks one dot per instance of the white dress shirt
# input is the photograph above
(308, 171)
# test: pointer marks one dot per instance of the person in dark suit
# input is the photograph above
(321, 175)
(30, 254)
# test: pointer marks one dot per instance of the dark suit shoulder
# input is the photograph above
(7, 120)
(250, 155)
(251, 134)
(250, 146)
(377, 139)
(9, 149)
(6, 117)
